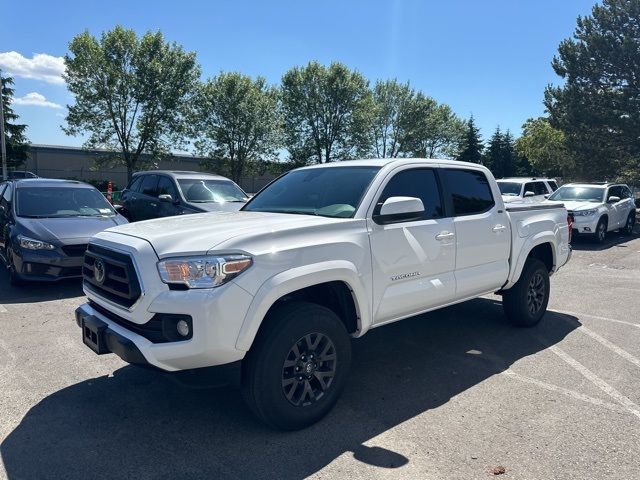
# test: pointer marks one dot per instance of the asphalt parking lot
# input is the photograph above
(452, 394)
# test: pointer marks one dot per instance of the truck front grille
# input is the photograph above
(111, 275)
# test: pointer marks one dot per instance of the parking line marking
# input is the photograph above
(565, 391)
(614, 348)
(2, 309)
(607, 319)
(597, 381)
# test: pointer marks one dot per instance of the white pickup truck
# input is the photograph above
(321, 254)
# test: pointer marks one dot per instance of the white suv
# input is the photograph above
(533, 189)
(598, 208)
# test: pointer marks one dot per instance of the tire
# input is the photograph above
(526, 302)
(600, 234)
(628, 227)
(14, 279)
(293, 338)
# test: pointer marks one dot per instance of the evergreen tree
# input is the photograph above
(472, 147)
(501, 157)
(14, 133)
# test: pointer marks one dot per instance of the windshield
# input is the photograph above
(329, 192)
(510, 189)
(52, 202)
(583, 194)
(204, 191)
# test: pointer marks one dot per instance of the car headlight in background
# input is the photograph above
(203, 272)
(32, 244)
(585, 213)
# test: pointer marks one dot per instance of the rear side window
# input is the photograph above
(149, 184)
(134, 186)
(419, 183)
(553, 185)
(469, 190)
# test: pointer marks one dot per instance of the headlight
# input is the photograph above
(31, 244)
(203, 272)
(585, 213)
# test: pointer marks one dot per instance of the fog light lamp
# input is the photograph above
(183, 328)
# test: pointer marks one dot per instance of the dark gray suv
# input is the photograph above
(159, 193)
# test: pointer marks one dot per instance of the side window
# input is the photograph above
(420, 183)
(166, 187)
(134, 186)
(540, 188)
(615, 192)
(529, 187)
(2, 186)
(5, 201)
(553, 185)
(470, 191)
(149, 184)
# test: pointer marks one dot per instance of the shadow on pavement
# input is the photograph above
(136, 424)
(614, 239)
(37, 292)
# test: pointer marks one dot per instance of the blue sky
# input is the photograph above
(490, 58)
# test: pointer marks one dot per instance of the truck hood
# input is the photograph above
(573, 205)
(198, 233)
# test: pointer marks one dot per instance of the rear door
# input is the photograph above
(413, 261)
(482, 232)
(147, 204)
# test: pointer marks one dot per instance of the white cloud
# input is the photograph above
(41, 67)
(36, 99)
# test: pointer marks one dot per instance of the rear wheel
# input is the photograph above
(601, 231)
(526, 302)
(628, 227)
(297, 367)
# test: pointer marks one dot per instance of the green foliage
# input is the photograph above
(17, 145)
(502, 158)
(132, 94)
(545, 147)
(597, 107)
(237, 122)
(432, 129)
(325, 113)
(471, 146)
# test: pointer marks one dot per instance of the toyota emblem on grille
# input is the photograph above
(99, 271)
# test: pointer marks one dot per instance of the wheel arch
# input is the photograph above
(333, 284)
(542, 247)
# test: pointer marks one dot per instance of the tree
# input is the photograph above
(597, 107)
(16, 141)
(391, 105)
(325, 116)
(238, 121)
(545, 147)
(131, 94)
(471, 145)
(432, 129)
(500, 156)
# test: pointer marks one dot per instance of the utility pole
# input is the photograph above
(3, 147)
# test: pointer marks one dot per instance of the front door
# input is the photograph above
(483, 235)
(413, 261)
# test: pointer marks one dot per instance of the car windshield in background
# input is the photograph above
(510, 189)
(329, 192)
(55, 202)
(583, 194)
(204, 191)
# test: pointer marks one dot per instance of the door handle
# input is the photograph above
(445, 235)
(499, 228)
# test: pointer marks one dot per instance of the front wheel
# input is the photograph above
(631, 221)
(601, 231)
(14, 278)
(526, 302)
(297, 367)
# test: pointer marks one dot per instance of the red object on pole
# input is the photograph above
(109, 192)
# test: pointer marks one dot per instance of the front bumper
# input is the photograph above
(582, 225)
(46, 266)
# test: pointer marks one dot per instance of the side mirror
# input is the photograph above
(400, 209)
(613, 199)
(529, 194)
(165, 197)
(547, 195)
(118, 208)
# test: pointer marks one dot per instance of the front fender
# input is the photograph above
(295, 279)
(529, 244)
